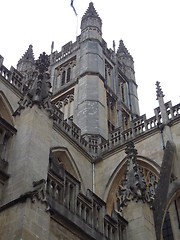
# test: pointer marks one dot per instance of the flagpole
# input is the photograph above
(76, 26)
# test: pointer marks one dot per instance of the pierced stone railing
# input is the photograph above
(16, 78)
(4, 72)
(95, 146)
(12, 76)
(64, 194)
(69, 128)
(84, 208)
(176, 111)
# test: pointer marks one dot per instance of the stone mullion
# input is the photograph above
(80, 209)
(65, 69)
(71, 197)
(68, 109)
(68, 195)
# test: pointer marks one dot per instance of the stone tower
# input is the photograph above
(127, 61)
(100, 81)
(90, 105)
(76, 159)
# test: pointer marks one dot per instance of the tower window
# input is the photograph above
(122, 92)
(63, 78)
(68, 74)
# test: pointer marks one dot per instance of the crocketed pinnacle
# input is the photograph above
(159, 92)
(122, 49)
(39, 92)
(91, 12)
(28, 55)
(134, 186)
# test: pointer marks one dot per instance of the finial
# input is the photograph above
(114, 46)
(52, 47)
(159, 92)
(122, 48)
(28, 55)
(43, 62)
(91, 12)
(39, 92)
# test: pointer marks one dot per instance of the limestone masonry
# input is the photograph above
(77, 161)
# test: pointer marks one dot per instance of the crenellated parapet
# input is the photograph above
(66, 50)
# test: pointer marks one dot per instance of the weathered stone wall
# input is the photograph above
(28, 156)
(79, 159)
(27, 220)
(58, 231)
(140, 221)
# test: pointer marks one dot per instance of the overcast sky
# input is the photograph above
(149, 28)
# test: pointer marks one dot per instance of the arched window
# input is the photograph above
(63, 78)
(68, 74)
(149, 177)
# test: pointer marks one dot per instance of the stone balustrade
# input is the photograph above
(64, 192)
(175, 111)
(95, 146)
(4, 72)
(12, 76)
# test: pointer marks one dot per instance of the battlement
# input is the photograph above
(66, 50)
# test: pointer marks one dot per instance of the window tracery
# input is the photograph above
(64, 73)
(148, 176)
(66, 106)
(63, 78)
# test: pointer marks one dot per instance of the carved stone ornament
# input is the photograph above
(39, 192)
(39, 91)
(159, 92)
(133, 186)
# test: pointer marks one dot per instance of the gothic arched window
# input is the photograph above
(63, 78)
(148, 176)
(68, 74)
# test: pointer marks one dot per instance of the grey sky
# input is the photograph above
(149, 29)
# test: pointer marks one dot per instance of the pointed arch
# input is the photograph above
(172, 196)
(64, 156)
(118, 174)
(6, 110)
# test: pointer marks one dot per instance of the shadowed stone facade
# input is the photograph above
(77, 161)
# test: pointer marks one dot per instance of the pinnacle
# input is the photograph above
(90, 12)
(134, 186)
(159, 92)
(122, 48)
(28, 55)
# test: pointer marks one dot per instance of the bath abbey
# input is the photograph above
(77, 160)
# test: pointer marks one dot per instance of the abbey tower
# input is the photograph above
(77, 161)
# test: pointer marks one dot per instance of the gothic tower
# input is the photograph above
(90, 106)
(94, 85)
